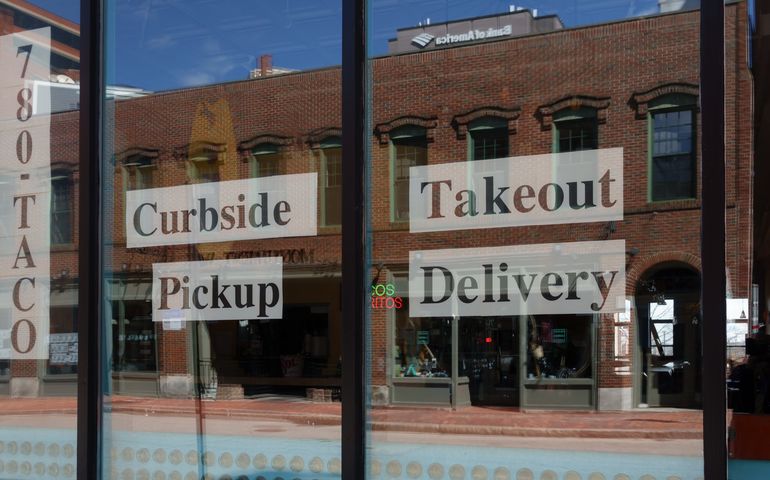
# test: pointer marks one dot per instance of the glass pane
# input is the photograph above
(516, 329)
(487, 144)
(407, 152)
(672, 132)
(39, 182)
(331, 158)
(222, 243)
(577, 135)
(673, 177)
(748, 291)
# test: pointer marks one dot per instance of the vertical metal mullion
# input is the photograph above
(713, 287)
(353, 240)
(89, 409)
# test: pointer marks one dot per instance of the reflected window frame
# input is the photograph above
(408, 144)
(204, 161)
(138, 171)
(664, 105)
(330, 155)
(266, 159)
(62, 207)
(488, 128)
(126, 291)
(567, 120)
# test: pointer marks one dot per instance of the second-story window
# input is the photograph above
(61, 207)
(409, 148)
(139, 170)
(672, 145)
(575, 130)
(266, 160)
(331, 180)
(204, 167)
(488, 138)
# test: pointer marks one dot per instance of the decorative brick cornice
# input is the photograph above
(510, 115)
(383, 130)
(146, 152)
(545, 113)
(639, 101)
(264, 138)
(315, 137)
(199, 147)
(63, 166)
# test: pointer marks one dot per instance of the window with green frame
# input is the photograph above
(672, 158)
(266, 160)
(488, 138)
(575, 130)
(331, 180)
(408, 148)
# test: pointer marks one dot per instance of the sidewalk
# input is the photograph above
(498, 421)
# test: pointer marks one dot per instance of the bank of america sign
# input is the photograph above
(422, 40)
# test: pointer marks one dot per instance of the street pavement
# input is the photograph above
(669, 424)
(269, 437)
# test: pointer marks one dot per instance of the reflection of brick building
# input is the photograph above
(630, 84)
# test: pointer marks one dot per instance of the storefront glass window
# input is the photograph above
(39, 272)
(223, 310)
(542, 249)
(747, 290)
(525, 297)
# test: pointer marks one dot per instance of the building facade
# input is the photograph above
(583, 100)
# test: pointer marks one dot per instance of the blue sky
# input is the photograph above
(167, 44)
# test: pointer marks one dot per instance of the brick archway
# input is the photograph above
(643, 264)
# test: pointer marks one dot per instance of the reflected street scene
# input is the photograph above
(533, 201)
